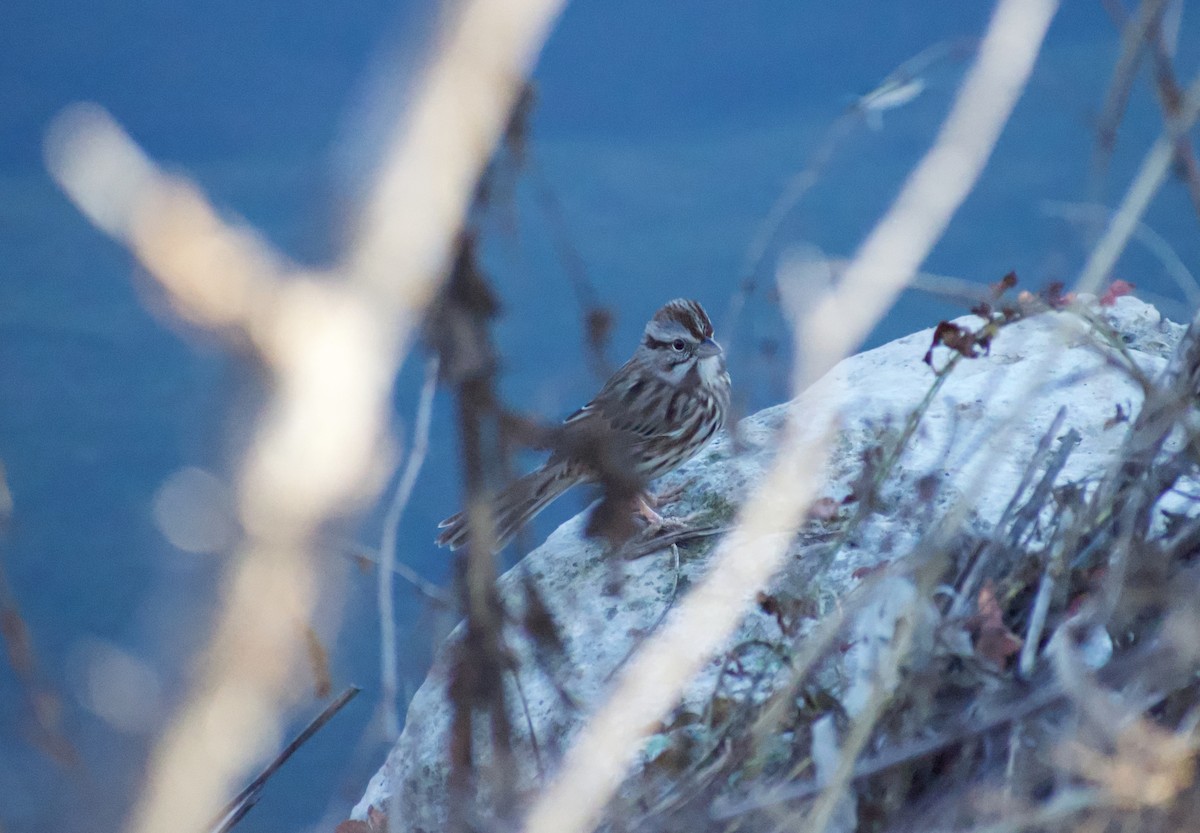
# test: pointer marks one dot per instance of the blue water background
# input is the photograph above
(666, 130)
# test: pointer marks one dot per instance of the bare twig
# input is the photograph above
(389, 675)
(243, 802)
(1008, 705)
(803, 181)
(1170, 96)
(816, 643)
(1167, 86)
(950, 288)
(480, 659)
(972, 572)
(1133, 42)
(597, 320)
(1026, 519)
(1053, 572)
(44, 702)
(642, 547)
(661, 616)
(834, 792)
(533, 741)
(460, 112)
(362, 553)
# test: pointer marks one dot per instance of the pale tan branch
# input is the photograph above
(407, 230)
(331, 343)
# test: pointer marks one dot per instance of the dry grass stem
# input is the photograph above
(388, 657)
(1133, 41)
(1150, 177)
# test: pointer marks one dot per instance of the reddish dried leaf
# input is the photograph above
(1004, 284)
(994, 642)
(377, 818)
(986, 606)
(1117, 418)
(997, 645)
(956, 338)
(770, 606)
(928, 487)
(377, 822)
(824, 509)
(1116, 289)
(1076, 604)
(863, 572)
(1056, 297)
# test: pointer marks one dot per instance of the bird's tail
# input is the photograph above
(514, 507)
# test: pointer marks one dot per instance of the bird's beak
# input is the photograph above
(708, 348)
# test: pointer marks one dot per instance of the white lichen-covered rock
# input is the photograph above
(974, 442)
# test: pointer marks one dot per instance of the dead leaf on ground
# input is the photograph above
(823, 509)
(377, 822)
(994, 642)
(1116, 289)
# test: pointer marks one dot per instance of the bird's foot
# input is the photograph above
(645, 510)
(656, 524)
(665, 526)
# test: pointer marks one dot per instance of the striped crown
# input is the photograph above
(684, 313)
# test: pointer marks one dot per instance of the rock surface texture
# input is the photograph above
(971, 448)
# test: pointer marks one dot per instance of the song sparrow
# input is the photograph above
(654, 414)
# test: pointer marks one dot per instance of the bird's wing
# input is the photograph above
(621, 408)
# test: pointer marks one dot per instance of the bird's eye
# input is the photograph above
(678, 344)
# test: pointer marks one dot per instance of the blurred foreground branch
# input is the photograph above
(331, 344)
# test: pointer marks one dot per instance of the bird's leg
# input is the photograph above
(647, 503)
(656, 523)
(661, 532)
(645, 509)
